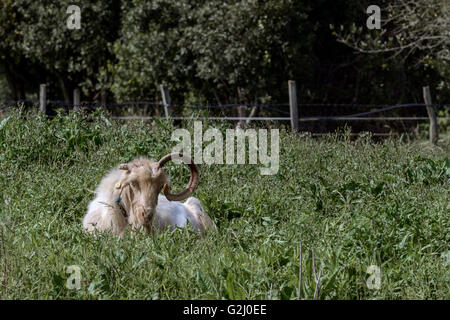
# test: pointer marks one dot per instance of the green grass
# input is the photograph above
(357, 203)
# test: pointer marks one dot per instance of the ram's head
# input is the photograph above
(142, 181)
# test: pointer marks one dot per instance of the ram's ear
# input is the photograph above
(124, 166)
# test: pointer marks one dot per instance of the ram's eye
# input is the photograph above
(133, 185)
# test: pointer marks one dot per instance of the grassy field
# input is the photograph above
(356, 203)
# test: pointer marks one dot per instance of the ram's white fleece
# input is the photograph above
(103, 214)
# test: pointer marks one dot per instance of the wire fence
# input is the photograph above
(295, 113)
(292, 115)
(273, 108)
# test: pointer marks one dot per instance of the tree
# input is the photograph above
(147, 52)
(226, 51)
(410, 28)
(245, 49)
(36, 34)
(12, 60)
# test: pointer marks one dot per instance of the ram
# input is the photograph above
(130, 195)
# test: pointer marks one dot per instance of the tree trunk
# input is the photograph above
(241, 110)
(64, 89)
(14, 82)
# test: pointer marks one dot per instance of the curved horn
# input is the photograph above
(193, 180)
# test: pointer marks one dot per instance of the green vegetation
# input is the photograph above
(357, 203)
(37, 47)
(424, 25)
(218, 52)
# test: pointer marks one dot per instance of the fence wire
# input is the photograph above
(273, 108)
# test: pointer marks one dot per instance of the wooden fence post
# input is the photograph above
(43, 98)
(251, 115)
(293, 105)
(103, 98)
(434, 135)
(76, 99)
(166, 99)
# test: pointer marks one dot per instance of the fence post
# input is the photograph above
(293, 104)
(166, 99)
(434, 135)
(103, 98)
(76, 99)
(43, 98)
(251, 115)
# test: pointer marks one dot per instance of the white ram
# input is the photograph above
(130, 195)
